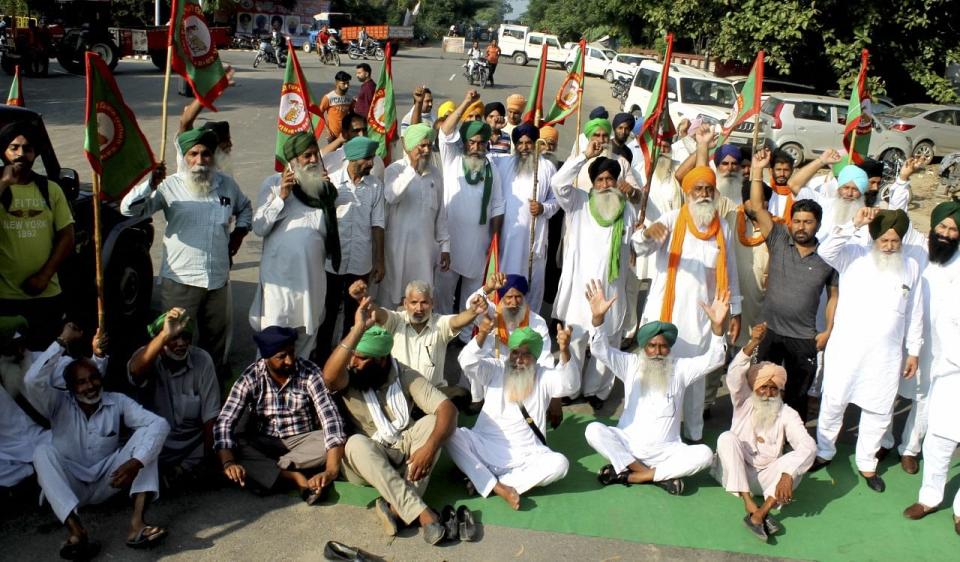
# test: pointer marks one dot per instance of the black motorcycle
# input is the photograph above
(268, 53)
(371, 49)
(619, 89)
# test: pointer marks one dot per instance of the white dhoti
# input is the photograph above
(668, 460)
(736, 475)
(872, 427)
(597, 378)
(65, 491)
(538, 467)
(937, 452)
(911, 440)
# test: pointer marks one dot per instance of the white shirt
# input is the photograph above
(425, 118)
(517, 192)
(19, 437)
(334, 161)
(360, 208)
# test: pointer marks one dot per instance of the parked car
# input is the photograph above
(804, 125)
(518, 43)
(773, 85)
(596, 61)
(692, 93)
(623, 66)
(935, 129)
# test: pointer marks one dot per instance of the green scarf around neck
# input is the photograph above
(473, 179)
(328, 203)
(616, 237)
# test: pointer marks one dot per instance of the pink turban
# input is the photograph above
(764, 372)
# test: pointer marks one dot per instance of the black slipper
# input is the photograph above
(448, 518)
(608, 476)
(673, 487)
(772, 525)
(311, 496)
(334, 550)
(466, 524)
(83, 550)
(757, 530)
(143, 541)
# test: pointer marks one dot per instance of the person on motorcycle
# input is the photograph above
(322, 38)
(473, 55)
(362, 38)
(278, 41)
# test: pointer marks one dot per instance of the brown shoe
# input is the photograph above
(909, 464)
(918, 511)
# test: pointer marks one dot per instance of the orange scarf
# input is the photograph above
(788, 207)
(684, 224)
(502, 333)
(742, 230)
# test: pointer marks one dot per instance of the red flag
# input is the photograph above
(856, 135)
(298, 111)
(747, 103)
(655, 130)
(533, 112)
(194, 54)
(15, 97)
(570, 94)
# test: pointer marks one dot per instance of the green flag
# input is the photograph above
(856, 135)
(113, 143)
(15, 97)
(533, 112)
(570, 93)
(195, 55)
(657, 126)
(382, 115)
(298, 112)
(747, 103)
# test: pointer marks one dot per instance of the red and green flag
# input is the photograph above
(382, 115)
(747, 104)
(493, 263)
(657, 126)
(15, 97)
(114, 145)
(533, 112)
(856, 135)
(298, 112)
(195, 55)
(570, 93)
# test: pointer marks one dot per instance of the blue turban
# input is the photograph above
(274, 339)
(525, 130)
(599, 112)
(855, 174)
(653, 329)
(724, 151)
(622, 118)
(514, 281)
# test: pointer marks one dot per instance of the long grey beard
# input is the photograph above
(513, 318)
(474, 163)
(608, 203)
(703, 212)
(664, 170)
(199, 180)
(12, 373)
(765, 411)
(518, 382)
(844, 210)
(655, 374)
(423, 164)
(310, 177)
(731, 186)
(891, 264)
(523, 164)
(223, 161)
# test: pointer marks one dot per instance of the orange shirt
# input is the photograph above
(334, 107)
(493, 54)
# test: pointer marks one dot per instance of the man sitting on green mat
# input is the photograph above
(645, 446)
(750, 456)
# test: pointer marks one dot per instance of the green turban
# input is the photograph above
(297, 144)
(9, 326)
(947, 209)
(887, 219)
(360, 148)
(189, 139)
(415, 134)
(594, 124)
(156, 327)
(376, 342)
(528, 337)
(653, 329)
(473, 128)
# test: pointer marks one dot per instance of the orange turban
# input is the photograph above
(764, 372)
(472, 108)
(516, 102)
(549, 133)
(697, 174)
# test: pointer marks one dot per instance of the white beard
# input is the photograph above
(12, 373)
(513, 319)
(664, 170)
(703, 212)
(765, 411)
(523, 164)
(844, 210)
(310, 177)
(422, 164)
(199, 180)
(888, 264)
(731, 186)
(223, 161)
(655, 374)
(518, 383)
(608, 203)
(89, 401)
(474, 164)
(174, 356)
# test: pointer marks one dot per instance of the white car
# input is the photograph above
(521, 45)
(804, 125)
(692, 93)
(597, 60)
(623, 66)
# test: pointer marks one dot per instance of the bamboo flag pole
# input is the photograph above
(98, 253)
(534, 199)
(163, 107)
(756, 132)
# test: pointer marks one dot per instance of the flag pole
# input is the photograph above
(98, 253)
(645, 192)
(583, 65)
(756, 133)
(163, 106)
(533, 199)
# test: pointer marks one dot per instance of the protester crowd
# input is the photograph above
(801, 291)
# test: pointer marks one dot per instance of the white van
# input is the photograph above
(692, 93)
(597, 60)
(521, 45)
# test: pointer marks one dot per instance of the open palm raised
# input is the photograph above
(596, 296)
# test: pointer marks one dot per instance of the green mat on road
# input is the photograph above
(834, 516)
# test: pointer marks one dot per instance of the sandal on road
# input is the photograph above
(83, 550)
(146, 537)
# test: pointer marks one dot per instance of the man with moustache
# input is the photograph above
(750, 457)
(178, 382)
(599, 130)
(297, 218)
(551, 138)
(85, 462)
(495, 115)
(753, 260)
(336, 104)
(505, 452)
(726, 160)
(199, 205)
(782, 198)
(695, 258)
(840, 197)
(515, 105)
(645, 446)
(473, 198)
(882, 298)
(940, 360)
(796, 278)
(223, 155)
(389, 451)
(334, 158)
(421, 112)
(360, 224)
(598, 227)
(523, 207)
(511, 312)
(419, 241)
(623, 124)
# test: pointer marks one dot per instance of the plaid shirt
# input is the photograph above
(289, 410)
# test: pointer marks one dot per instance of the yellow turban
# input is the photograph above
(475, 107)
(516, 102)
(549, 133)
(697, 174)
(446, 108)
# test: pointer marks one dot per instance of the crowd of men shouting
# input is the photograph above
(798, 286)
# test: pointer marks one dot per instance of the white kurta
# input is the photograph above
(882, 309)
(517, 192)
(944, 307)
(535, 322)
(337, 160)
(19, 436)
(696, 283)
(469, 240)
(293, 284)
(416, 231)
